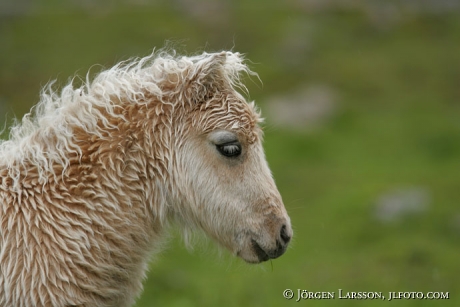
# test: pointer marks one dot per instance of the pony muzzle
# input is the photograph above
(261, 249)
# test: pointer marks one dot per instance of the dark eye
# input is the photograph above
(229, 149)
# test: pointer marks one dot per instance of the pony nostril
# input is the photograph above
(284, 235)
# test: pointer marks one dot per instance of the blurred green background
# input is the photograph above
(362, 132)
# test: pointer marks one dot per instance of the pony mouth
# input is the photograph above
(259, 251)
(264, 254)
(264, 249)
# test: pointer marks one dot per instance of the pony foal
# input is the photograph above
(89, 183)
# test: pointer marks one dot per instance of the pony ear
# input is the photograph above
(207, 77)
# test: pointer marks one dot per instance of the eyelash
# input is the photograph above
(229, 150)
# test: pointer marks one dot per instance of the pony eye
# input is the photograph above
(229, 150)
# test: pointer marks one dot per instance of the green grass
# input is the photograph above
(398, 126)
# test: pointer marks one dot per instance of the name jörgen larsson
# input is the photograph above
(341, 294)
